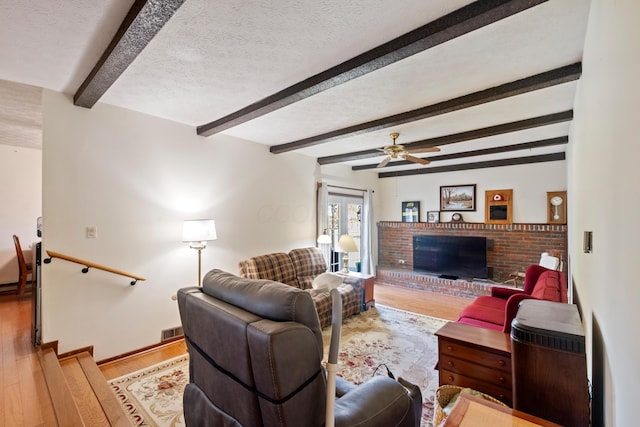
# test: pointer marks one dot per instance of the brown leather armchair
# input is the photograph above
(255, 349)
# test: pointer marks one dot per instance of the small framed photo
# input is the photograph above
(458, 198)
(410, 211)
(433, 216)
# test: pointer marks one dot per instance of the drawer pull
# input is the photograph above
(450, 363)
(503, 380)
(450, 378)
(449, 348)
(501, 362)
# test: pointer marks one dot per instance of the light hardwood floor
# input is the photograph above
(21, 378)
(417, 301)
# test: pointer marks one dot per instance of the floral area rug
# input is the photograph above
(401, 341)
(371, 342)
(153, 396)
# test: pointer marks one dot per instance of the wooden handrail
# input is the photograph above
(89, 264)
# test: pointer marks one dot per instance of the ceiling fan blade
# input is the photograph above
(416, 159)
(424, 150)
(384, 162)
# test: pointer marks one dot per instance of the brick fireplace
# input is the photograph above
(512, 247)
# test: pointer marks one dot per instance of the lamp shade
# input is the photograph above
(324, 239)
(346, 244)
(199, 230)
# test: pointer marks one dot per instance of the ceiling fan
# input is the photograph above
(395, 151)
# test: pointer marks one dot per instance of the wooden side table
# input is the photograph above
(368, 281)
(478, 412)
(477, 358)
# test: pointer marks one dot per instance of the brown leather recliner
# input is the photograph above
(255, 349)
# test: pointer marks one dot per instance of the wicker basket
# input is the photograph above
(444, 393)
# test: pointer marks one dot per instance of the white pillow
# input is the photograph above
(326, 281)
(548, 261)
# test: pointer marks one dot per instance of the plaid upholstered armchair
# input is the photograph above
(298, 268)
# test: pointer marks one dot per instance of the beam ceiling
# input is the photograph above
(548, 119)
(474, 153)
(539, 81)
(554, 157)
(455, 24)
(142, 23)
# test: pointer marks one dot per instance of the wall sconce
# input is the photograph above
(346, 244)
(198, 232)
(324, 238)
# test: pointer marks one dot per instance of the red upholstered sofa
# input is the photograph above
(498, 310)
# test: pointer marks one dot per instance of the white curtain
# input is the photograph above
(368, 266)
(323, 220)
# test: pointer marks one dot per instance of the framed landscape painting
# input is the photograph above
(458, 198)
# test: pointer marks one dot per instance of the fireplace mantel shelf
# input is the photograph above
(530, 227)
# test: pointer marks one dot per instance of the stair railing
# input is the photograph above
(89, 264)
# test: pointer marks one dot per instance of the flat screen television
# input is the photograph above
(451, 256)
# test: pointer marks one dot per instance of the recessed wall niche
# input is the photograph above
(498, 206)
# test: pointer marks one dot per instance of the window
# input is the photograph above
(344, 214)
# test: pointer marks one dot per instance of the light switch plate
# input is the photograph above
(587, 242)
(92, 232)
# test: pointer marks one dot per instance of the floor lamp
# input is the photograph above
(324, 244)
(198, 232)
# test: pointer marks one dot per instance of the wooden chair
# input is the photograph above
(25, 268)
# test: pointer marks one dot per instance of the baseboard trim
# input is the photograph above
(140, 351)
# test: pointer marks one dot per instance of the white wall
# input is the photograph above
(604, 198)
(21, 195)
(136, 178)
(530, 184)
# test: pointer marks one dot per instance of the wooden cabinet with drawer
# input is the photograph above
(477, 358)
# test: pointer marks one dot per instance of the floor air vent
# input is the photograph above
(167, 334)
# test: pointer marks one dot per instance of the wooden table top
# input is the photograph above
(474, 411)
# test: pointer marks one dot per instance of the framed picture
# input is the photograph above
(410, 211)
(458, 198)
(433, 216)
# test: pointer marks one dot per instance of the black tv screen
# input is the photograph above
(451, 256)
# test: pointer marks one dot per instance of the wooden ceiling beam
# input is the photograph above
(455, 24)
(546, 120)
(474, 153)
(539, 81)
(143, 21)
(479, 165)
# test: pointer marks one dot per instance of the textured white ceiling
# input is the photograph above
(20, 115)
(213, 58)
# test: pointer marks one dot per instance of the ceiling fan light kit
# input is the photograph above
(399, 151)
